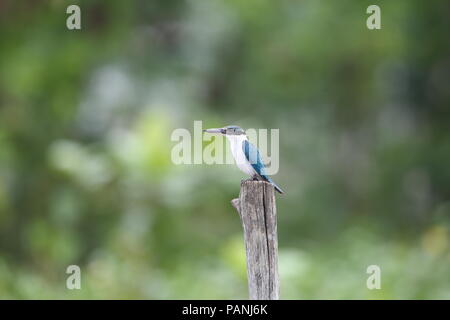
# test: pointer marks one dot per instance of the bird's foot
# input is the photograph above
(253, 178)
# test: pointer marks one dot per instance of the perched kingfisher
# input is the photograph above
(246, 155)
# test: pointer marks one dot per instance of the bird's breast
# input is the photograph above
(239, 157)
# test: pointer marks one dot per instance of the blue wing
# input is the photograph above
(253, 156)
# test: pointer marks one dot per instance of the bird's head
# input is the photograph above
(227, 131)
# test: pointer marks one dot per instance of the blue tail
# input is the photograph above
(274, 184)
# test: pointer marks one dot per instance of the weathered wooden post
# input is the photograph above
(256, 207)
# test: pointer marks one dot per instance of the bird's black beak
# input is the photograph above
(215, 130)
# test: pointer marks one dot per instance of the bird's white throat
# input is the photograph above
(236, 142)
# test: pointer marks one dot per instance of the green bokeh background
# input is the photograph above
(86, 117)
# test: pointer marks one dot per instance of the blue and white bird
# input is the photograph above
(246, 155)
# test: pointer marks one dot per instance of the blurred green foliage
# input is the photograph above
(85, 123)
